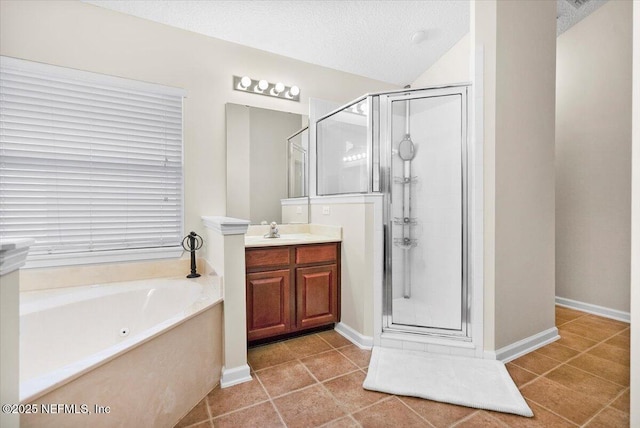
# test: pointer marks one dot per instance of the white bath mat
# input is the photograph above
(471, 382)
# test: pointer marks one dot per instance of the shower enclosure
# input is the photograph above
(411, 146)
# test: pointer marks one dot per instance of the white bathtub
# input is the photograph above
(68, 333)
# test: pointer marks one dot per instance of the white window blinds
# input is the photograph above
(88, 163)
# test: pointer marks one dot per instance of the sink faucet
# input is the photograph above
(273, 231)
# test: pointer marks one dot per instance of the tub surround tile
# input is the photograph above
(153, 384)
(103, 273)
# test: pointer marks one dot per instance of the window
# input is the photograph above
(90, 165)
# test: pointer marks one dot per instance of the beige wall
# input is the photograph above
(635, 221)
(593, 158)
(357, 261)
(86, 37)
(519, 40)
(452, 67)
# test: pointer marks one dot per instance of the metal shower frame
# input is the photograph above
(380, 181)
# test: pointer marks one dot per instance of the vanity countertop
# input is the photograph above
(292, 235)
(287, 239)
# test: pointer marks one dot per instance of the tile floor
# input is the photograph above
(316, 380)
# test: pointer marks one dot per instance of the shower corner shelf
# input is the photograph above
(404, 221)
(405, 243)
(405, 180)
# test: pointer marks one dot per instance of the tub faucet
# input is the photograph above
(273, 231)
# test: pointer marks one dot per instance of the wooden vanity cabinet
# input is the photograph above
(291, 288)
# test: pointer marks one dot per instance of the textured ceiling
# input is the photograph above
(368, 38)
(568, 15)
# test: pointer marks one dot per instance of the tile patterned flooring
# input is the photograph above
(316, 380)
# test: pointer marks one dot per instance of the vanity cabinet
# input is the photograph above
(291, 288)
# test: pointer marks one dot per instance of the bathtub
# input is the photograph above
(147, 350)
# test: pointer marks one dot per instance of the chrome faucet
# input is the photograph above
(273, 231)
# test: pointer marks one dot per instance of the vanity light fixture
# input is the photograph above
(263, 87)
(245, 81)
(278, 88)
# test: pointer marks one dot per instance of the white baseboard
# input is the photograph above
(360, 340)
(235, 376)
(524, 346)
(594, 309)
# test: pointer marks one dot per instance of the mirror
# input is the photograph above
(267, 165)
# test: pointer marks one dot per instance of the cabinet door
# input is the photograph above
(316, 296)
(268, 304)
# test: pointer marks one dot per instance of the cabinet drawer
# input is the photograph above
(267, 257)
(316, 253)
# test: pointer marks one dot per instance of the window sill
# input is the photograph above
(138, 254)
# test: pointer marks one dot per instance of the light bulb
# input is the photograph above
(294, 91)
(245, 82)
(263, 84)
(279, 87)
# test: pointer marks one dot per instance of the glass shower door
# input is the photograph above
(424, 133)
